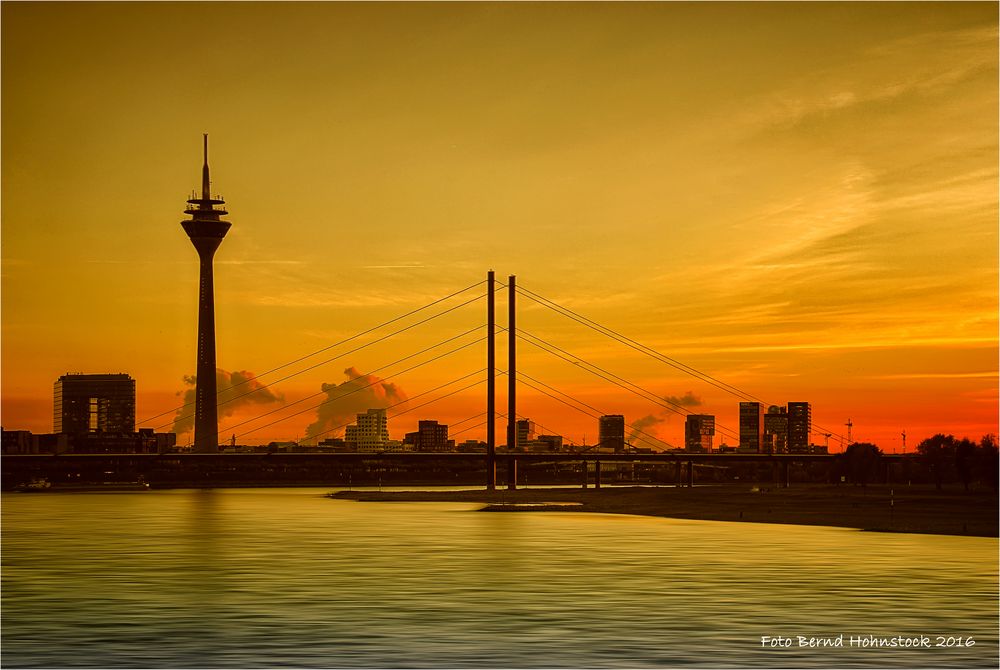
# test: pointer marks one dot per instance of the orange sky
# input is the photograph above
(798, 199)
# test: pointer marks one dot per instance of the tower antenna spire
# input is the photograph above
(205, 183)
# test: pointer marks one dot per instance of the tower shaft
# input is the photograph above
(206, 414)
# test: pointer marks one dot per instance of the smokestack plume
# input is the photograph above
(687, 400)
(343, 401)
(642, 425)
(230, 385)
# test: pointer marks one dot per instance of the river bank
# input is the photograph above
(898, 509)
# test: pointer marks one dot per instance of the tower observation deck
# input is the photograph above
(206, 231)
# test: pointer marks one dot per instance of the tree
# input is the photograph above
(937, 453)
(987, 461)
(862, 462)
(965, 454)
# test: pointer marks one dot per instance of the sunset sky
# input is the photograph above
(800, 200)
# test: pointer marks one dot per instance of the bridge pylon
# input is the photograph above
(491, 383)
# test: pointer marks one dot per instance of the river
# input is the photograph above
(286, 577)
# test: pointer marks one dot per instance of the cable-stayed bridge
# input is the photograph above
(470, 298)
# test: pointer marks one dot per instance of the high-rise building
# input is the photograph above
(94, 404)
(699, 430)
(524, 431)
(370, 433)
(611, 432)
(206, 230)
(776, 430)
(751, 427)
(799, 427)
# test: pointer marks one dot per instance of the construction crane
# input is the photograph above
(849, 426)
(904, 441)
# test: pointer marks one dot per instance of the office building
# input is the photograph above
(751, 427)
(699, 430)
(429, 436)
(524, 431)
(370, 433)
(776, 430)
(94, 404)
(799, 427)
(611, 433)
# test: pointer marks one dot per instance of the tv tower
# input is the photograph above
(206, 230)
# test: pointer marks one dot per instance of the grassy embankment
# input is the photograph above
(914, 509)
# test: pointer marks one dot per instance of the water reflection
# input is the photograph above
(199, 581)
(238, 578)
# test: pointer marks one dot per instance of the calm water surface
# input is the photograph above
(286, 577)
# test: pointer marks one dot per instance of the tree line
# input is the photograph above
(941, 459)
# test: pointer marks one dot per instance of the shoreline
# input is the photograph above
(896, 509)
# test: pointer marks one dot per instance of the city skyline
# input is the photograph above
(823, 231)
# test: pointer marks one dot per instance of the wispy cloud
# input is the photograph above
(323, 297)
(257, 261)
(890, 72)
(938, 375)
(119, 261)
(585, 298)
(807, 231)
(217, 261)
(307, 299)
(975, 190)
(868, 344)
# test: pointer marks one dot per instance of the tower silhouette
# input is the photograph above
(206, 230)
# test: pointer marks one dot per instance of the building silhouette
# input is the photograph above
(699, 430)
(206, 231)
(17, 442)
(370, 433)
(799, 427)
(548, 442)
(92, 414)
(776, 430)
(751, 427)
(94, 404)
(145, 441)
(611, 432)
(524, 432)
(429, 436)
